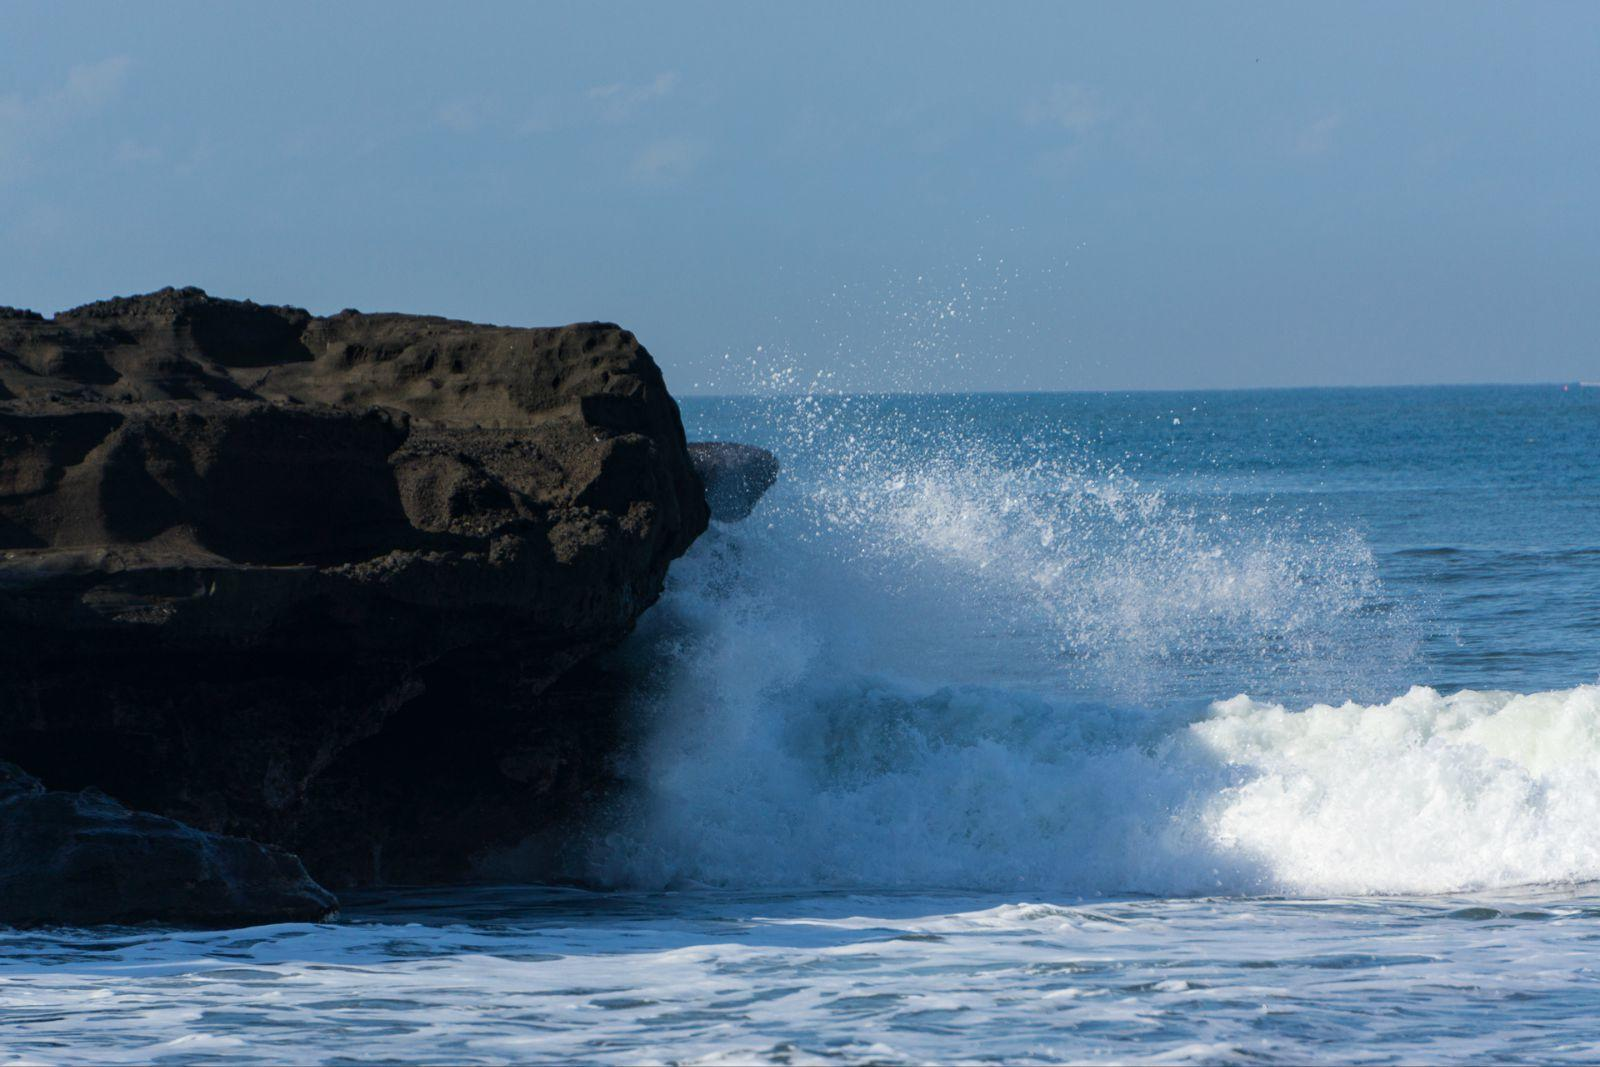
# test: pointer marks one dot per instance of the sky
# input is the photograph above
(928, 196)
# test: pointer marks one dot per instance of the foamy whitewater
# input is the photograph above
(1200, 727)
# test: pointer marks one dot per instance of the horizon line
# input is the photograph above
(1564, 385)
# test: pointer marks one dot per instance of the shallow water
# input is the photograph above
(1200, 727)
(502, 974)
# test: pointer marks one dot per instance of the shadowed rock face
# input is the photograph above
(735, 476)
(82, 858)
(323, 582)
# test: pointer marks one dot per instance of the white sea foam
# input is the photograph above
(530, 975)
(969, 671)
(868, 783)
(1424, 794)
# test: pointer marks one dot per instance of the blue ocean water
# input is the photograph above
(1172, 727)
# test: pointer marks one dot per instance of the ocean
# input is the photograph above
(1238, 727)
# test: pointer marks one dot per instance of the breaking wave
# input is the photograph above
(968, 659)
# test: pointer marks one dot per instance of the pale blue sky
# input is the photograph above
(1134, 196)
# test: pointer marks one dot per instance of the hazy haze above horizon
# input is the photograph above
(904, 196)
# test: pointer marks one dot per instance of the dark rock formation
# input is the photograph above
(735, 476)
(321, 582)
(82, 858)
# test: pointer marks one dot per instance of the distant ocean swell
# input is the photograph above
(993, 667)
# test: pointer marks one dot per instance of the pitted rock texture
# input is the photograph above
(316, 581)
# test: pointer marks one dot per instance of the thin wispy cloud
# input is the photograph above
(620, 101)
(459, 116)
(613, 103)
(88, 86)
(25, 119)
(1071, 107)
(1318, 138)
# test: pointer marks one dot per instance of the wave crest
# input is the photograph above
(930, 660)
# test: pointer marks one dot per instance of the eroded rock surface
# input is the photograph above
(322, 582)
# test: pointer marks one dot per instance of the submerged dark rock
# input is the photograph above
(332, 584)
(83, 858)
(735, 476)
